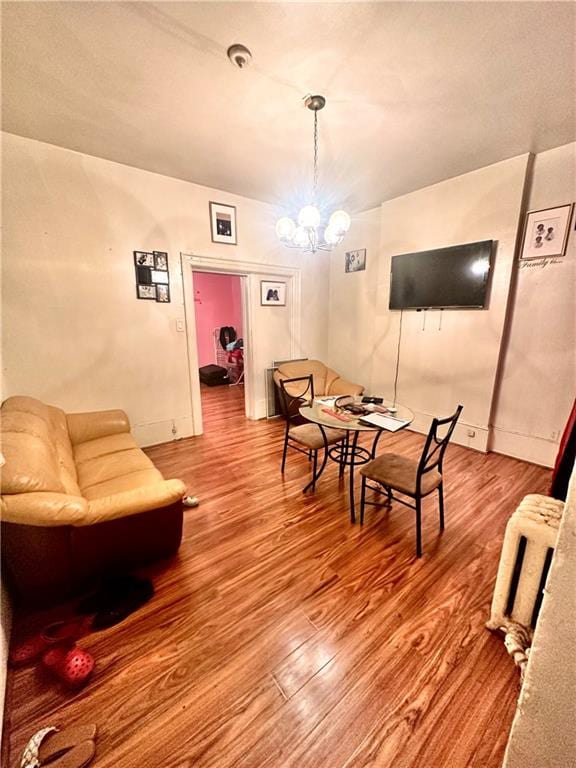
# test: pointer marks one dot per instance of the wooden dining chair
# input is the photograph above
(416, 479)
(299, 434)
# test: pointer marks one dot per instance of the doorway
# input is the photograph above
(270, 333)
(220, 322)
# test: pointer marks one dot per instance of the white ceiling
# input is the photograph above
(417, 92)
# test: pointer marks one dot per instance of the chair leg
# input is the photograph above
(362, 500)
(418, 527)
(310, 455)
(314, 468)
(441, 505)
(284, 454)
(389, 493)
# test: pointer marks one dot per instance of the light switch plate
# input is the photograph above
(179, 324)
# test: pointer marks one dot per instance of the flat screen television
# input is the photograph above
(447, 277)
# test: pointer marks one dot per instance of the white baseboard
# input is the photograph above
(478, 442)
(156, 432)
(536, 450)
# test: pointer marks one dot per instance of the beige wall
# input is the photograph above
(74, 333)
(447, 357)
(539, 366)
(354, 300)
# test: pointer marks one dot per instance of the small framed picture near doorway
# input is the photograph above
(546, 232)
(223, 223)
(272, 294)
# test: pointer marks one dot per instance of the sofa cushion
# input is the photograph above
(31, 464)
(27, 423)
(26, 404)
(64, 455)
(102, 446)
(49, 445)
(123, 483)
(110, 466)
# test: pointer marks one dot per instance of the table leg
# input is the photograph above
(352, 456)
(344, 455)
(375, 443)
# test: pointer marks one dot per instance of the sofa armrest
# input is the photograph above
(46, 510)
(342, 387)
(94, 424)
(135, 501)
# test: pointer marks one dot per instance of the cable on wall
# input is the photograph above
(397, 358)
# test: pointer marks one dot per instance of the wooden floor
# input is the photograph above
(284, 637)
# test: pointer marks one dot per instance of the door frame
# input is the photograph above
(249, 272)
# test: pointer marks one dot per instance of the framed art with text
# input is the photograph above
(546, 232)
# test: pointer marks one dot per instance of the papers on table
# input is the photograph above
(391, 423)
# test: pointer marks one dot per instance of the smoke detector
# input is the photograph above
(239, 55)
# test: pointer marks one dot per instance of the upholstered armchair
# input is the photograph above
(326, 381)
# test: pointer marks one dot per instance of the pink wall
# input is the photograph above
(217, 302)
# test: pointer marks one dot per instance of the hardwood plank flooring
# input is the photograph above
(284, 637)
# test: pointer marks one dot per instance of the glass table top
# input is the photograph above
(322, 412)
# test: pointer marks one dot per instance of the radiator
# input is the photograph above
(524, 563)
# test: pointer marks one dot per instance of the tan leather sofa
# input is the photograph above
(78, 498)
(326, 381)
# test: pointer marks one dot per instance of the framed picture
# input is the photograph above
(272, 294)
(355, 261)
(161, 261)
(157, 276)
(546, 232)
(162, 293)
(143, 275)
(143, 259)
(223, 223)
(151, 275)
(146, 292)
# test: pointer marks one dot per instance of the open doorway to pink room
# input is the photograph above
(219, 316)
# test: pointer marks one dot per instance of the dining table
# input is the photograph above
(348, 452)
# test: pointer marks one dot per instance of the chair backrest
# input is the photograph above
(294, 393)
(435, 446)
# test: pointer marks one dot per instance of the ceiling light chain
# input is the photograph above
(307, 235)
(315, 182)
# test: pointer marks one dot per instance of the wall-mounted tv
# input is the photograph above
(447, 277)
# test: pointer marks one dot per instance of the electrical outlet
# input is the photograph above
(471, 433)
(174, 430)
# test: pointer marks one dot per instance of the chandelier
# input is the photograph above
(310, 234)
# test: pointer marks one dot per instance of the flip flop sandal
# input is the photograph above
(72, 665)
(30, 648)
(48, 744)
(55, 744)
(78, 757)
